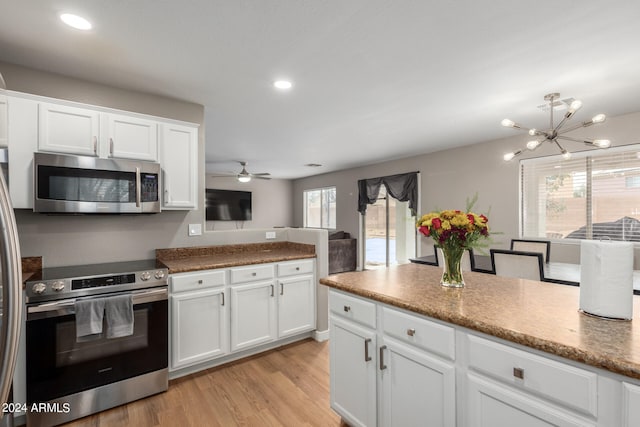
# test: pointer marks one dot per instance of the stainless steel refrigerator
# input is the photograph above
(11, 283)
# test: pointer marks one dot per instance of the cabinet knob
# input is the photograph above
(200, 282)
(297, 268)
(347, 308)
(518, 373)
(254, 273)
(411, 332)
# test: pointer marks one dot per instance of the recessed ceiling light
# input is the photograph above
(282, 84)
(75, 21)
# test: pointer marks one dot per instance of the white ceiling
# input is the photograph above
(373, 79)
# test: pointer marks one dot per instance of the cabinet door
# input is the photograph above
(179, 158)
(131, 138)
(4, 132)
(630, 405)
(198, 326)
(415, 387)
(492, 404)
(353, 372)
(296, 305)
(23, 142)
(253, 314)
(64, 129)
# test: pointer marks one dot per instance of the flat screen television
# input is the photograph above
(228, 205)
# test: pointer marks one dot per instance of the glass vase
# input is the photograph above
(452, 273)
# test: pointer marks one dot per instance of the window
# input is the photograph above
(320, 208)
(594, 194)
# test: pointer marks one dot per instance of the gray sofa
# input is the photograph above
(342, 252)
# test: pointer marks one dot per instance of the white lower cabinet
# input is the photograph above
(199, 317)
(417, 389)
(253, 314)
(353, 372)
(199, 326)
(296, 305)
(630, 405)
(215, 313)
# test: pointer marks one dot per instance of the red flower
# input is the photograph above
(472, 219)
(484, 219)
(424, 230)
(436, 222)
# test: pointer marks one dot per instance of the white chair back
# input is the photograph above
(523, 265)
(465, 263)
(541, 246)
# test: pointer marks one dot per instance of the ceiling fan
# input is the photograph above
(244, 175)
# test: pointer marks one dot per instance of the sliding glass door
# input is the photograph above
(389, 232)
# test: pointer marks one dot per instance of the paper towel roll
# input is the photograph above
(606, 278)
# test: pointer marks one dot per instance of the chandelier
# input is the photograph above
(554, 133)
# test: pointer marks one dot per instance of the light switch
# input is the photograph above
(270, 235)
(195, 229)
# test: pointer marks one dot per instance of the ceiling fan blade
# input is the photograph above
(261, 177)
(260, 174)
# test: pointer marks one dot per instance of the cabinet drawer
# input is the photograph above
(198, 280)
(254, 272)
(431, 336)
(292, 268)
(548, 378)
(358, 310)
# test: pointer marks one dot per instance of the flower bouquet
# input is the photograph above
(454, 232)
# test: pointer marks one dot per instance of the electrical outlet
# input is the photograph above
(195, 229)
(270, 235)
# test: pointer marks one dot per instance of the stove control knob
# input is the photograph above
(159, 274)
(145, 276)
(57, 286)
(39, 288)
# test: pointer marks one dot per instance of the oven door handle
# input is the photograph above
(67, 306)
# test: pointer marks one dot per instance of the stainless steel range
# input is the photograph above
(71, 374)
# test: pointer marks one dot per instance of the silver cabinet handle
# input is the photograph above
(411, 332)
(272, 290)
(138, 188)
(347, 308)
(110, 147)
(367, 358)
(382, 365)
(518, 373)
(281, 288)
(95, 145)
(222, 295)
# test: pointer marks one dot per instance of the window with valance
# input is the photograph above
(402, 187)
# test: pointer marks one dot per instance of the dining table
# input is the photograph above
(563, 273)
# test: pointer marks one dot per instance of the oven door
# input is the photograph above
(58, 366)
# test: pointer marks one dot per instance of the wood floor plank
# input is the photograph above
(285, 387)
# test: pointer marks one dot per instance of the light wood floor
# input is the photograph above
(284, 387)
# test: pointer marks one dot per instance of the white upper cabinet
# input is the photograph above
(88, 132)
(65, 129)
(179, 160)
(4, 132)
(131, 137)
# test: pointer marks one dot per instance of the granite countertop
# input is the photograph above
(539, 315)
(182, 260)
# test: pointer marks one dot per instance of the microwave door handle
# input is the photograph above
(138, 188)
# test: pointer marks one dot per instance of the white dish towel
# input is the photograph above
(119, 315)
(89, 315)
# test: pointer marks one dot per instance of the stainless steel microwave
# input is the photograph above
(79, 184)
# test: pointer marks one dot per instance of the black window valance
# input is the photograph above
(403, 187)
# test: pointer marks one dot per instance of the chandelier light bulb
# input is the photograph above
(575, 106)
(599, 118)
(602, 143)
(508, 123)
(509, 156)
(532, 132)
(565, 154)
(532, 145)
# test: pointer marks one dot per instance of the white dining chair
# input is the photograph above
(465, 263)
(542, 246)
(518, 264)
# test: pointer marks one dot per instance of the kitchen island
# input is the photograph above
(498, 349)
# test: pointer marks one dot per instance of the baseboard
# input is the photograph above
(321, 336)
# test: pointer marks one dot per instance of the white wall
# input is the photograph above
(448, 177)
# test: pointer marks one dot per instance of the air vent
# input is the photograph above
(313, 165)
